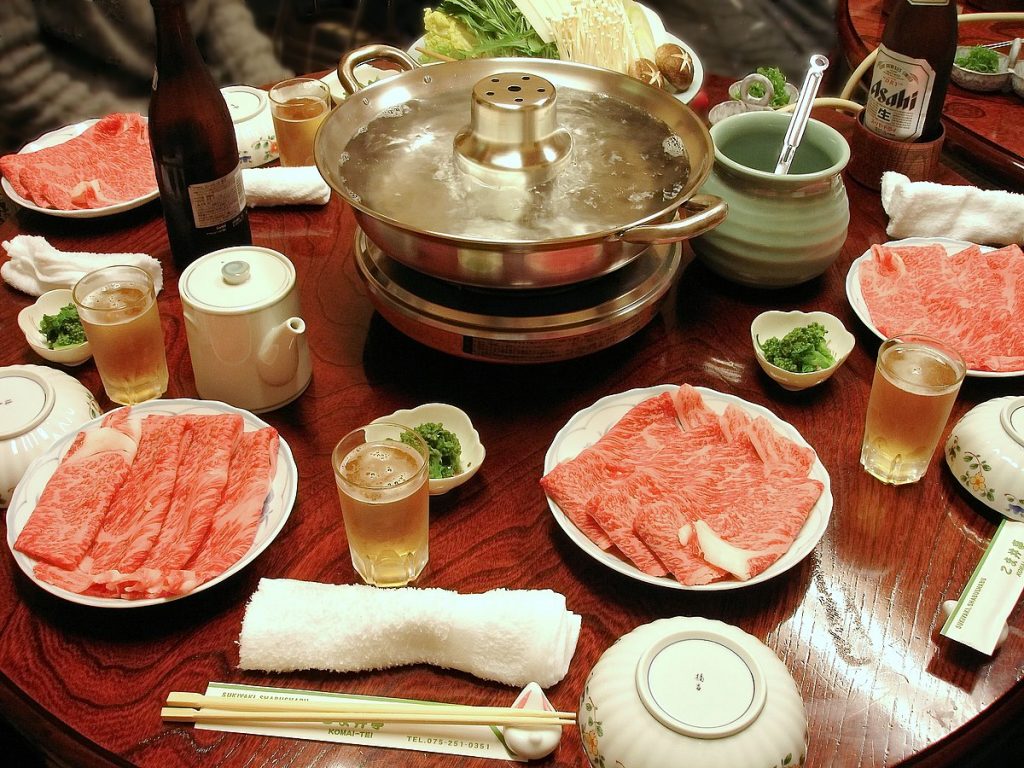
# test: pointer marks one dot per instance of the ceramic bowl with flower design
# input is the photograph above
(691, 691)
(985, 452)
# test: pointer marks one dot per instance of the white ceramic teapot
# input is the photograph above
(246, 338)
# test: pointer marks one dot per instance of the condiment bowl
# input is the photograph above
(50, 303)
(1017, 79)
(985, 452)
(454, 420)
(778, 324)
(691, 691)
(983, 81)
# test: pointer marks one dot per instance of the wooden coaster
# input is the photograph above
(872, 155)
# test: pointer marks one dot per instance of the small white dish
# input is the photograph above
(50, 303)
(778, 324)
(985, 453)
(454, 420)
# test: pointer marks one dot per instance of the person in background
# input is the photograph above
(62, 61)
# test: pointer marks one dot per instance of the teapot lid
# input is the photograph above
(237, 280)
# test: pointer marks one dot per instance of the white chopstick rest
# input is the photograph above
(531, 740)
(510, 636)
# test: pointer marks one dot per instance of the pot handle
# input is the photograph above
(706, 212)
(348, 63)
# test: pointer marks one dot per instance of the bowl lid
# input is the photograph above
(237, 280)
(244, 102)
(701, 682)
(26, 399)
(1012, 419)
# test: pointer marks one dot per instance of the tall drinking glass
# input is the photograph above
(298, 106)
(381, 474)
(915, 385)
(118, 310)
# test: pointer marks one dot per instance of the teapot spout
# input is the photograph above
(278, 357)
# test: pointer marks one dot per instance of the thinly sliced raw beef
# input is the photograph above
(136, 514)
(110, 162)
(72, 506)
(974, 301)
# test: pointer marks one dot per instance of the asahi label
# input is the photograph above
(899, 94)
(219, 201)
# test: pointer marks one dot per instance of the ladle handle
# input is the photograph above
(348, 63)
(706, 213)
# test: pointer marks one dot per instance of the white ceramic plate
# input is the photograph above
(365, 74)
(589, 425)
(860, 307)
(276, 508)
(52, 139)
(661, 36)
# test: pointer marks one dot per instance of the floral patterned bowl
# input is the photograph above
(691, 691)
(985, 452)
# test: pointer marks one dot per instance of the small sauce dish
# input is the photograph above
(986, 82)
(778, 324)
(454, 420)
(50, 303)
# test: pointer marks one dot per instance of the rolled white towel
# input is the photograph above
(927, 209)
(298, 185)
(36, 266)
(510, 636)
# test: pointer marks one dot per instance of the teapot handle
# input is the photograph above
(348, 63)
(706, 213)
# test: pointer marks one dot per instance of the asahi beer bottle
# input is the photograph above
(194, 147)
(911, 71)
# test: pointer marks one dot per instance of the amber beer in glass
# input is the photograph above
(381, 474)
(117, 307)
(915, 385)
(298, 107)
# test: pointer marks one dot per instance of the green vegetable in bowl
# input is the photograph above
(778, 81)
(979, 59)
(445, 450)
(63, 329)
(802, 350)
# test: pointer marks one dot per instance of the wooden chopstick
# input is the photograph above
(434, 54)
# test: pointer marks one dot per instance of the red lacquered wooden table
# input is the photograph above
(985, 130)
(856, 621)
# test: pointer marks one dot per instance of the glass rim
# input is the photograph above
(292, 82)
(422, 448)
(148, 296)
(942, 347)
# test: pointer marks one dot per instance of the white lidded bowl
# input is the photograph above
(985, 452)
(778, 324)
(691, 691)
(50, 303)
(38, 405)
(455, 420)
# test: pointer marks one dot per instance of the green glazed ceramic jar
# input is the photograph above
(781, 230)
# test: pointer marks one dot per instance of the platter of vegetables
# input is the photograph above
(621, 35)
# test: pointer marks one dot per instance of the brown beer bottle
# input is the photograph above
(911, 71)
(194, 147)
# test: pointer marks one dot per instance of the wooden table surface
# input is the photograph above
(856, 622)
(984, 129)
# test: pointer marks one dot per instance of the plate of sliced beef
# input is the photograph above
(151, 503)
(970, 296)
(89, 169)
(687, 488)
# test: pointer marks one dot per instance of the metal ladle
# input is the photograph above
(802, 112)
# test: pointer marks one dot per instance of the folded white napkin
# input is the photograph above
(926, 209)
(37, 267)
(299, 185)
(511, 636)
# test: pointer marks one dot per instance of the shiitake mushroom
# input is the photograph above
(675, 65)
(647, 71)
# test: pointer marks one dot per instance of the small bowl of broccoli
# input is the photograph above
(978, 68)
(800, 349)
(53, 330)
(456, 452)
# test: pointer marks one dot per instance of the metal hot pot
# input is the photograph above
(515, 173)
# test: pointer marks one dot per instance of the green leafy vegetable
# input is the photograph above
(445, 450)
(63, 329)
(778, 81)
(802, 350)
(489, 27)
(979, 59)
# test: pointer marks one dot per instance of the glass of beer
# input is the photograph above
(298, 106)
(912, 394)
(381, 473)
(117, 307)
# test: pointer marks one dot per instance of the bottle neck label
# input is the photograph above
(219, 201)
(898, 97)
